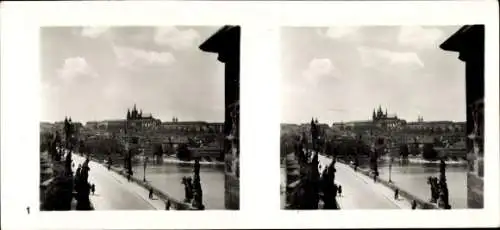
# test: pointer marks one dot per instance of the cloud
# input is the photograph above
(176, 38)
(375, 57)
(340, 32)
(133, 57)
(318, 68)
(75, 67)
(419, 37)
(94, 32)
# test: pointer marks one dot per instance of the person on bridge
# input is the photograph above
(77, 174)
(335, 190)
(396, 194)
(151, 193)
(167, 205)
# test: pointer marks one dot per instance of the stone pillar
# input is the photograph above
(468, 41)
(226, 43)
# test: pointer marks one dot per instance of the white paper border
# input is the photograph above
(260, 108)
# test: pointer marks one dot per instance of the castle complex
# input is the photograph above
(383, 121)
(387, 121)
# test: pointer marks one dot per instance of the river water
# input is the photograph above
(167, 177)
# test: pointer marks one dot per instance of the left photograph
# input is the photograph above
(139, 118)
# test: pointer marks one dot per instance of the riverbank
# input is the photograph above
(174, 160)
(412, 160)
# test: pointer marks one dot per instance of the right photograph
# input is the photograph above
(382, 117)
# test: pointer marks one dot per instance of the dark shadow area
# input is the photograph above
(226, 43)
(468, 41)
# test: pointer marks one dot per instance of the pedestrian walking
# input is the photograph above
(396, 194)
(414, 204)
(151, 193)
(167, 205)
(340, 190)
(335, 190)
(93, 189)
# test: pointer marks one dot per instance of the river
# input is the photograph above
(167, 177)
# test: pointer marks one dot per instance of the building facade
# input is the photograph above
(226, 43)
(192, 126)
(468, 41)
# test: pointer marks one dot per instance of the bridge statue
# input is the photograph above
(314, 134)
(197, 190)
(311, 186)
(328, 187)
(443, 193)
(82, 187)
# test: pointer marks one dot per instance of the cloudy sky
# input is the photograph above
(342, 73)
(97, 73)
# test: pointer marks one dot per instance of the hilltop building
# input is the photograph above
(384, 120)
(136, 120)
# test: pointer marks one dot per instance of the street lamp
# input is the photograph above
(145, 161)
(390, 170)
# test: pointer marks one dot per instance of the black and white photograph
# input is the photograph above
(382, 117)
(139, 118)
(130, 115)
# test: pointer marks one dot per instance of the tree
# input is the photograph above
(183, 153)
(429, 153)
(82, 147)
(404, 150)
(157, 150)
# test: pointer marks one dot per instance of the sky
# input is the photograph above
(342, 73)
(96, 73)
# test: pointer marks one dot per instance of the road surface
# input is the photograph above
(112, 191)
(359, 192)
